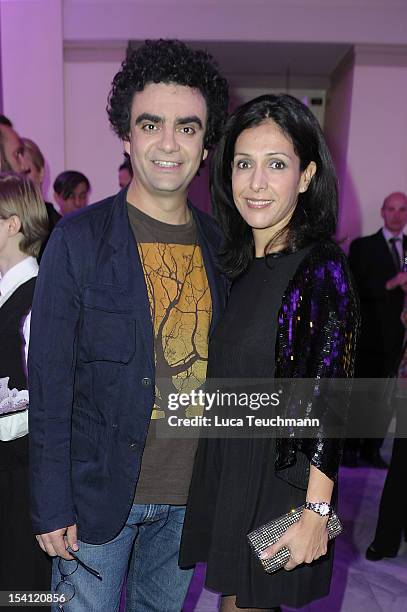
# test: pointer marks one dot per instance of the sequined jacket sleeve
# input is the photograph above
(318, 328)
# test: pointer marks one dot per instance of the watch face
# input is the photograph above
(324, 509)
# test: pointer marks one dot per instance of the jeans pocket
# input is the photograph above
(177, 514)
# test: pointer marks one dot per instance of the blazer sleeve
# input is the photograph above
(51, 367)
(323, 351)
(334, 332)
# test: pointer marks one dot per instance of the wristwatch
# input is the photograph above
(321, 508)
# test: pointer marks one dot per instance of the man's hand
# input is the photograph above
(400, 280)
(306, 540)
(56, 542)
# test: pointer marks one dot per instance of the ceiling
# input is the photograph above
(254, 64)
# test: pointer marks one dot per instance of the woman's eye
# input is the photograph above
(243, 164)
(277, 164)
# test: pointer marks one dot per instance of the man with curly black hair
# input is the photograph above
(127, 296)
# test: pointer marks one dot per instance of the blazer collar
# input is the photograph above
(118, 223)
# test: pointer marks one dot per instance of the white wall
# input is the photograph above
(244, 94)
(376, 157)
(32, 73)
(90, 145)
(337, 128)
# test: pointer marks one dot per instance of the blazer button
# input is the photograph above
(132, 444)
(146, 382)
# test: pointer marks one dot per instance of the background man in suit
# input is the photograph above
(374, 260)
(127, 295)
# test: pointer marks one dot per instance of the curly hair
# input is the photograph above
(168, 61)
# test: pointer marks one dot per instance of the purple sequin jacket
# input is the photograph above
(316, 339)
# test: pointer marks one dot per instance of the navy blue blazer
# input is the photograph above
(91, 369)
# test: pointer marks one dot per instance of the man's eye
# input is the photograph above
(149, 127)
(277, 164)
(187, 129)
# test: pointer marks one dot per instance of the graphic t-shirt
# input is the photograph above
(181, 310)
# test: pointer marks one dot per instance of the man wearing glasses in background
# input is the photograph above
(127, 294)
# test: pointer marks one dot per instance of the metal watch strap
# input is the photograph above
(321, 508)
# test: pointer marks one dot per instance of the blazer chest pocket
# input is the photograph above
(108, 327)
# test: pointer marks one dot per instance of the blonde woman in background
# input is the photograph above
(23, 228)
(35, 170)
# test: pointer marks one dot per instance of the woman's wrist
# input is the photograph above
(309, 517)
(320, 506)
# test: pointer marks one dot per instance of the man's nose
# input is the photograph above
(168, 141)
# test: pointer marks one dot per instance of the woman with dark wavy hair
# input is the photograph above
(292, 313)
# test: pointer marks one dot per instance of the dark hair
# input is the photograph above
(168, 61)
(126, 165)
(315, 215)
(5, 121)
(67, 181)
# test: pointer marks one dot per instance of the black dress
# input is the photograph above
(234, 487)
(23, 565)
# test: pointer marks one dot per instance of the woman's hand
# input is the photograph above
(307, 540)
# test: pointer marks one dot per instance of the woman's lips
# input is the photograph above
(258, 203)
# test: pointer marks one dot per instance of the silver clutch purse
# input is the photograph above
(268, 534)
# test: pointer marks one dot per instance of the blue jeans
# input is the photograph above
(150, 539)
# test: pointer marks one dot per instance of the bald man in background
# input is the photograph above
(374, 260)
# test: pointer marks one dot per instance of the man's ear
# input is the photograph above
(126, 146)
(306, 176)
(204, 154)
